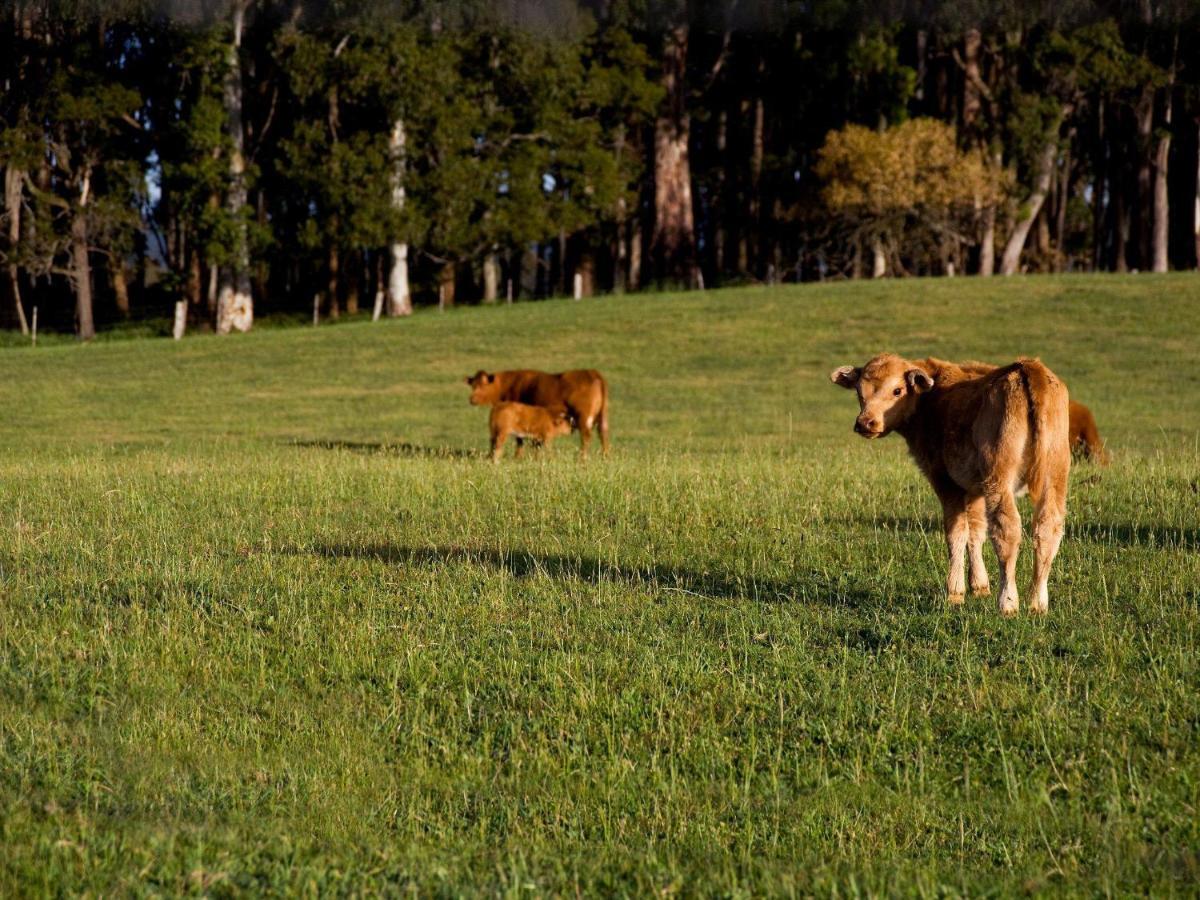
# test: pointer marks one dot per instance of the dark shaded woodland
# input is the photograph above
(224, 159)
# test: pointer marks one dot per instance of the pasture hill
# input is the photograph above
(272, 623)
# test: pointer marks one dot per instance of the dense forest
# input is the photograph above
(216, 160)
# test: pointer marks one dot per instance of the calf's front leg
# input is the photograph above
(499, 437)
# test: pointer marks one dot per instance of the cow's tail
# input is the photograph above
(602, 417)
(1049, 427)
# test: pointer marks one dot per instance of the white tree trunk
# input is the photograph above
(879, 260)
(1032, 205)
(491, 277)
(235, 305)
(987, 245)
(1162, 216)
(1196, 211)
(81, 271)
(398, 296)
(12, 204)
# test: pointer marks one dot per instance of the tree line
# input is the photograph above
(220, 159)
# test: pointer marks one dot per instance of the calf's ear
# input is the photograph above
(918, 380)
(846, 376)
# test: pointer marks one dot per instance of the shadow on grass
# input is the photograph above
(811, 587)
(1122, 534)
(381, 448)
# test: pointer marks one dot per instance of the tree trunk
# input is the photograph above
(446, 284)
(81, 271)
(720, 193)
(755, 222)
(879, 258)
(399, 300)
(987, 244)
(635, 249)
(120, 285)
(972, 100)
(621, 251)
(674, 239)
(194, 287)
(1064, 200)
(1196, 206)
(586, 274)
(333, 285)
(1032, 205)
(1121, 233)
(1100, 203)
(354, 272)
(1142, 225)
(491, 276)
(1162, 156)
(12, 205)
(235, 305)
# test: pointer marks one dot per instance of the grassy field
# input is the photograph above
(270, 623)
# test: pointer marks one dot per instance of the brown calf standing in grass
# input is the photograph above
(979, 435)
(582, 393)
(525, 422)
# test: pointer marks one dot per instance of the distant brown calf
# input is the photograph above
(581, 393)
(1083, 436)
(525, 422)
(978, 434)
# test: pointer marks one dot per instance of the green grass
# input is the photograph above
(270, 623)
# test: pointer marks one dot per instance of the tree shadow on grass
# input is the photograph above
(389, 448)
(807, 587)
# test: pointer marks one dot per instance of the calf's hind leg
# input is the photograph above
(1004, 522)
(954, 523)
(977, 518)
(1048, 521)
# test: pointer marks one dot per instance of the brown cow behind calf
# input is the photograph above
(978, 435)
(581, 393)
(1084, 437)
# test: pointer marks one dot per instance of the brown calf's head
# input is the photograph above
(888, 387)
(561, 423)
(485, 388)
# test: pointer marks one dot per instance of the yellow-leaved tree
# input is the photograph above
(908, 192)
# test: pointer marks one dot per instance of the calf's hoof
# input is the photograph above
(955, 599)
(981, 590)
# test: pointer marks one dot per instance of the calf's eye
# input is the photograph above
(897, 392)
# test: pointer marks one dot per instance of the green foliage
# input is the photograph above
(882, 85)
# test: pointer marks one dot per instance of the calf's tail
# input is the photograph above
(1049, 427)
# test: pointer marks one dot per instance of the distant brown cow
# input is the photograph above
(1083, 436)
(525, 422)
(978, 435)
(582, 393)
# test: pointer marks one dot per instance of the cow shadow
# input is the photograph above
(402, 449)
(806, 587)
(1122, 534)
